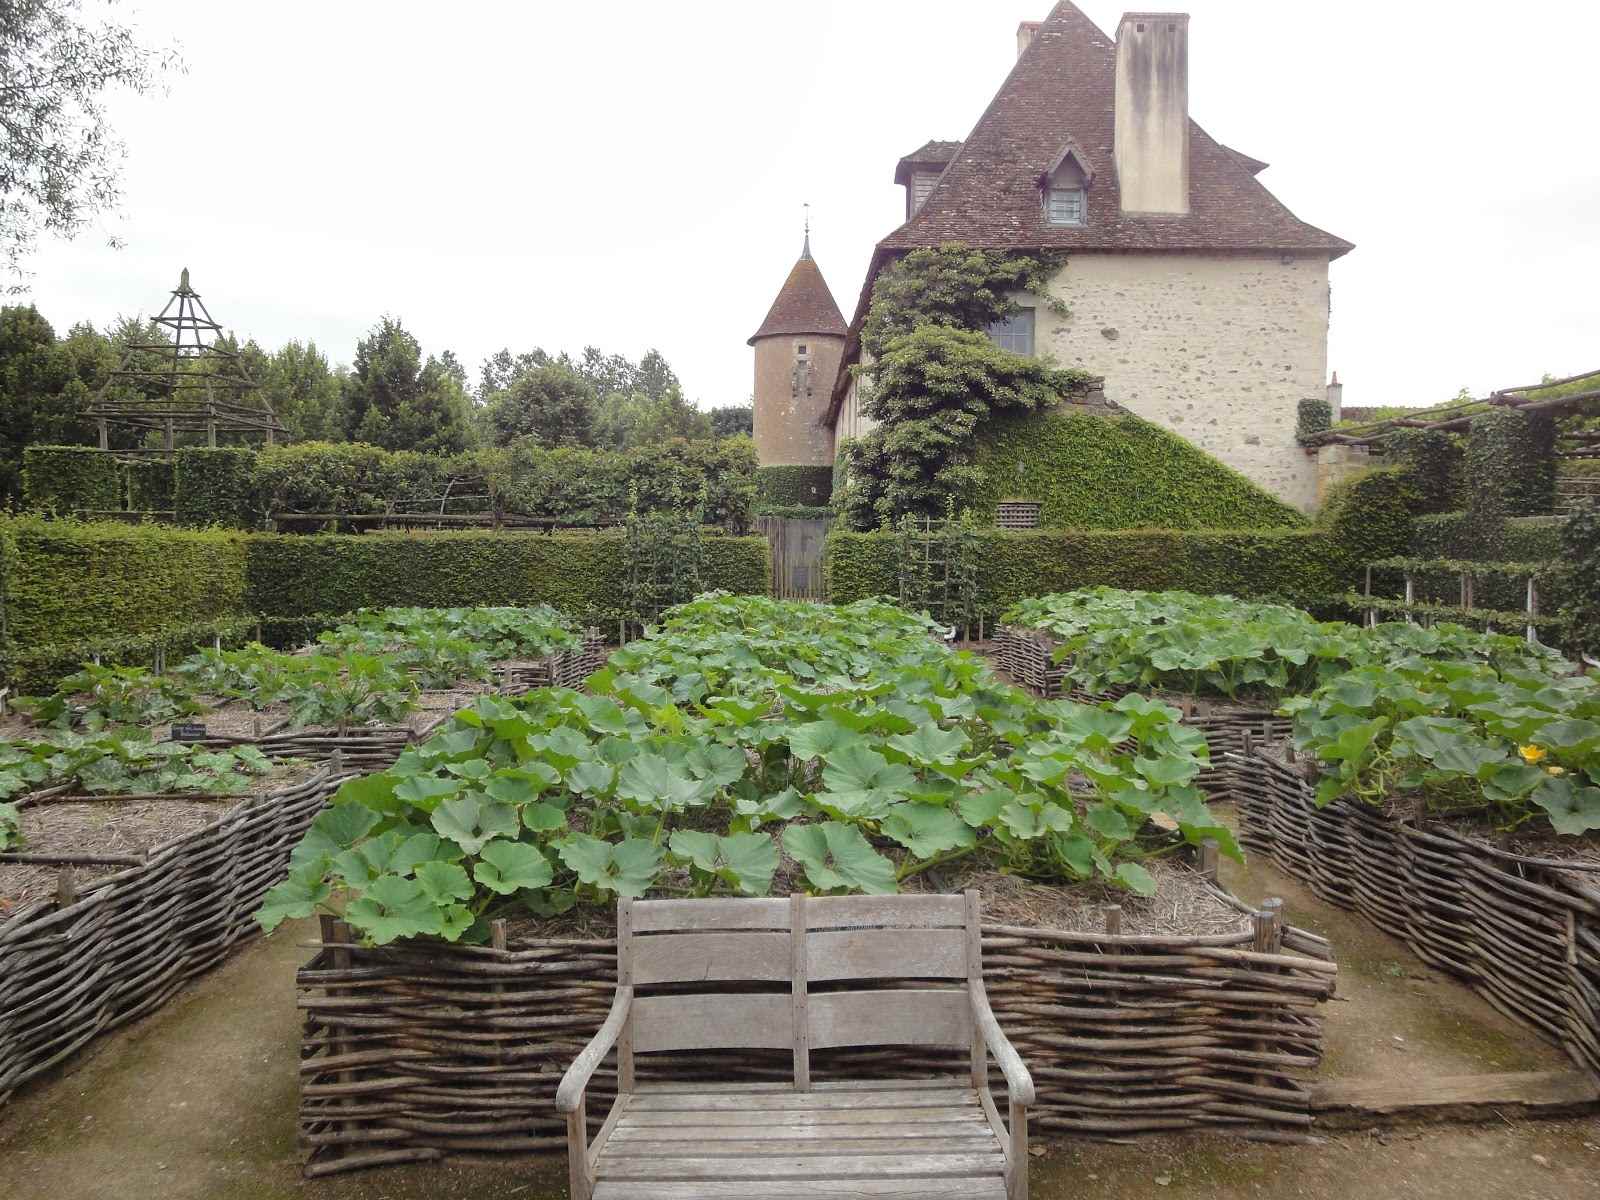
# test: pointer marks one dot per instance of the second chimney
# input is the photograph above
(1025, 32)
(1152, 112)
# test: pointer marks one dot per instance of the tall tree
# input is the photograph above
(731, 419)
(303, 390)
(60, 163)
(627, 420)
(551, 403)
(395, 399)
(41, 394)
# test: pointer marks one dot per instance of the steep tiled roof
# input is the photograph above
(1062, 87)
(1062, 90)
(929, 154)
(804, 304)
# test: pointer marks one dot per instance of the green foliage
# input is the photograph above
(151, 486)
(1313, 416)
(1462, 737)
(1217, 645)
(1114, 472)
(10, 826)
(44, 385)
(663, 552)
(953, 286)
(123, 761)
(732, 419)
(741, 731)
(929, 391)
(215, 485)
(97, 696)
(395, 399)
(1580, 577)
(64, 479)
(1510, 463)
(551, 404)
(442, 647)
(302, 388)
(581, 574)
(794, 486)
(931, 375)
(1435, 459)
(342, 689)
(1367, 517)
(1293, 565)
(70, 582)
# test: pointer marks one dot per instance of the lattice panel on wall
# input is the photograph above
(1017, 514)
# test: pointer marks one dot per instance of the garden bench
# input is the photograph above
(843, 971)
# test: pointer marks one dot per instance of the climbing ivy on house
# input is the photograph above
(930, 376)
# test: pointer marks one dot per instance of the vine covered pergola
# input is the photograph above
(190, 383)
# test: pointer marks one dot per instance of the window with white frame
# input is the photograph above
(1065, 206)
(1015, 333)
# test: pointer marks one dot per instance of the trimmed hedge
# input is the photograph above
(1314, 416)
(1284, 564)
(1368, 516)
(150, 486)
(1510, 463)
(794, 487)
(1115, 472)
(1435, 459)
(1459, 535)
(215, 485)
(71, 582)
(582, 574)
(63, 479)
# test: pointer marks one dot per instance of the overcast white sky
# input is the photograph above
(631, 174)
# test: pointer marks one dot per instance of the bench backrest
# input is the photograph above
(709, 960)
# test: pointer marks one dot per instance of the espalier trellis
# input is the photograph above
(664, 555)
(936, 563)
(748, 745)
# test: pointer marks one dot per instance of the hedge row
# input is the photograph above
(1510, 462)
(62, 581)
(582, 574)
(1366, 518)
(1115, 471)
(794, 487)
(64, 479)
(1484, 537)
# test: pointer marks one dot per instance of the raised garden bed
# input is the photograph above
(1027, 656)
(1522, 931)
(422, 1051)
(172, 894)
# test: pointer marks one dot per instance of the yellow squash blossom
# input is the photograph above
(1531, 754)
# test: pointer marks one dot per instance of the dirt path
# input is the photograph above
(198, 1101)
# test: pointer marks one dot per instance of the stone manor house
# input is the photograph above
(1199, 297)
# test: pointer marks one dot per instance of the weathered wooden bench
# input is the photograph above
(917, 966)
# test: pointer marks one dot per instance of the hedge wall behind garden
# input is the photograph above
(63, 479)
(794, 487)
(1288, 564)
(582, 574)
(1115, 472)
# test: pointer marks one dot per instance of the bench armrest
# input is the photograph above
(573, 1083)
(1018, 1082)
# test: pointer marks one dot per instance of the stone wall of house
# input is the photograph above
(1217, 348)
(794, 381)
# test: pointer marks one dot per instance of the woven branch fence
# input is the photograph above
(70, 972)
(418, 1053)
(1523, 934)
(1027, 656)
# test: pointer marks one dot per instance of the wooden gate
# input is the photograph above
(796, 544)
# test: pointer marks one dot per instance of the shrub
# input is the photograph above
(581, 574)
(150, 486)
(64, 479)
(215, 485)
(1510, 463)
(1367, 517)
(1435, 460)
(1289, 564)
(1580, 577)
(1314, 416)
(1114, 472)
(794, 486)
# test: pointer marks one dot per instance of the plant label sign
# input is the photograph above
(193, 732)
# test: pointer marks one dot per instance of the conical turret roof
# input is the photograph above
(804, 304)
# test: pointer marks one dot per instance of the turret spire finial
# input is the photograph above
(805, 250)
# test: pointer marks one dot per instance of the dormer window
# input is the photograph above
(1065, 206)
(1064, 188)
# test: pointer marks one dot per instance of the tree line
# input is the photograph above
(391, 395)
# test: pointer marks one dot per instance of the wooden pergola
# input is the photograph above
(1577, 444)
(197, 384)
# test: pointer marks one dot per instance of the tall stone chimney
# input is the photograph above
(1025, 32)
(1152, 112)
(1336, 397)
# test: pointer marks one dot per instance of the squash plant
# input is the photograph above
(97, 696)
(689, 778)
(1463, 736)
(125, 761)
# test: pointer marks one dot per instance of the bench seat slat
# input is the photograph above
(808, 1167)
(821, 1189)
(709, 1135)
(644, 1102)
(811, 1116)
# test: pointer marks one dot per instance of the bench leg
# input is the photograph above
(578, 1176)
(1017, 1185)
